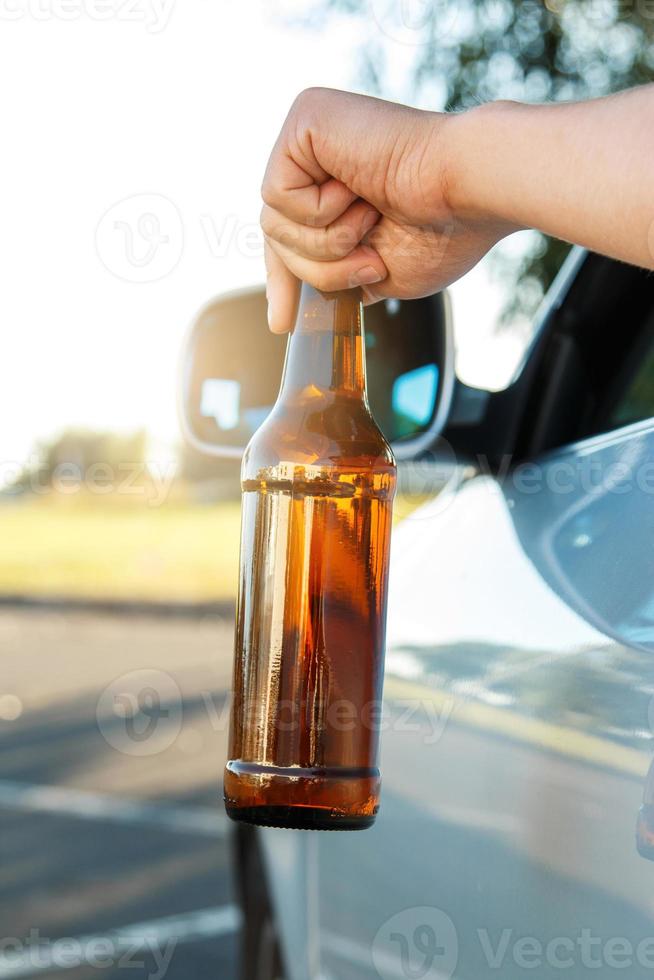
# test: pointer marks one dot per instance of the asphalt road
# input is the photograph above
(113, 842)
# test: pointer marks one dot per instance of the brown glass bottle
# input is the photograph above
(318, 482)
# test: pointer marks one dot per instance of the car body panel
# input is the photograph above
(516, 739)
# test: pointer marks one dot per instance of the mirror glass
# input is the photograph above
(232, 367)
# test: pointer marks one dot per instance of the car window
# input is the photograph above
(635, 400)
(495, 317)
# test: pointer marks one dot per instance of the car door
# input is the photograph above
(516, 738)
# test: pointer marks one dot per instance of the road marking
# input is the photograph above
(357, 954)
(563, 740)
(143, 936)
(85, 805)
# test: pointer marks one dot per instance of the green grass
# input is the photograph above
(94, 549)
(86, 546)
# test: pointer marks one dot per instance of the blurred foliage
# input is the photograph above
(76, 455)
(455, 53)
(114, 463)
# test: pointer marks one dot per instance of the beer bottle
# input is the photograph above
(318, 481)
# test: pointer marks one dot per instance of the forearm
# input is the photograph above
(583, 172)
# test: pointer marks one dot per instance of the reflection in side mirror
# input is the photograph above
(232, 367)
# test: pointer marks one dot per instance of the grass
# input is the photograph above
(99, 549)
(85, 546)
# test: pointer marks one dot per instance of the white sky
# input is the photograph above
(183, 112)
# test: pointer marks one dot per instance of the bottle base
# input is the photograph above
(298, 817)
(301, 798)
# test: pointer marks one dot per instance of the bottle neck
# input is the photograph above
(326, 350)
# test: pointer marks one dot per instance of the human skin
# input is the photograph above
(402, 202)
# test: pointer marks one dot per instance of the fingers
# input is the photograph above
(287, 186)
(335, 241)
(315, 225)
(329, 258)
(282, 292)
(361, 267)
(295, 183)
(369, 296)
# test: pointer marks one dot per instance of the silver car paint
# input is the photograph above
(517, 739)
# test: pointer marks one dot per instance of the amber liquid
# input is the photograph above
(312, 598)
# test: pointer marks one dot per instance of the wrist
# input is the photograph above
(475, 171)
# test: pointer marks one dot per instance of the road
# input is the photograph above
(112, 833)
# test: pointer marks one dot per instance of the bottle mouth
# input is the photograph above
(353, 295)
(335, 312)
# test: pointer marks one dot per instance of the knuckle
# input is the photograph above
(319, 218)
(269, 191)
(308, 109)
(265, 220)
(315, 243)
(308, 97)
(321, 278)
(329, 278)
(340, 241)
(286, 234)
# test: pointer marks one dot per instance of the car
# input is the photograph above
(517, 729)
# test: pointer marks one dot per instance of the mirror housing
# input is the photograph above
(232, 367)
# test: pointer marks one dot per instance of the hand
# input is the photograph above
(356, 194)
(402, 202)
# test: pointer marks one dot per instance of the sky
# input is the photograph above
(135, 136)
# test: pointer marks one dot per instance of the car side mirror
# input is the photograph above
(232, 367)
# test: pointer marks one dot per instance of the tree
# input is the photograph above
(79, 455)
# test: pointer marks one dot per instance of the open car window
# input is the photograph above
(633, 398)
